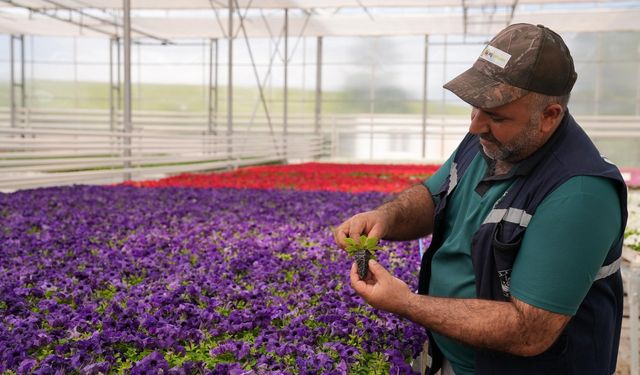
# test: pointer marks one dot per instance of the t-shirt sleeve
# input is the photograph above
(566, 243)
(434, 181)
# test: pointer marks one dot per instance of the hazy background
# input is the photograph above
(360, 76)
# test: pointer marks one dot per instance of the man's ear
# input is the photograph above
(551, 117)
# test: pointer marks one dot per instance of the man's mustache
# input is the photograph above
(489, 137)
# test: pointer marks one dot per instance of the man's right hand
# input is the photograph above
(408, 217)
(371, 223)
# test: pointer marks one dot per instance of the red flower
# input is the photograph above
(307, 176)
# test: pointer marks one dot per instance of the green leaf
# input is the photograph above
(350, 241)
(371, 243)
(363, 240)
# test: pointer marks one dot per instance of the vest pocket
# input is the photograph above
(505, 250)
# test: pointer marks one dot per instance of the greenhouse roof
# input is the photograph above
(292, 4)
(168, 19)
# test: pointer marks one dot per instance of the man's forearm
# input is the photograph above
(410, 214)
(512, 327)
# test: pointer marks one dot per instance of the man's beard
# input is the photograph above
(517, 150)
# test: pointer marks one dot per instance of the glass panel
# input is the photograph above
(583, 95)
(5, 75)
(94, 50)
(619, 90)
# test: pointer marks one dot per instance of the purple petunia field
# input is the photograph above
(98, 279)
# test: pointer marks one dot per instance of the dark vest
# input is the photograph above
(589, 343)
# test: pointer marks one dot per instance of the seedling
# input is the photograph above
(362, 249)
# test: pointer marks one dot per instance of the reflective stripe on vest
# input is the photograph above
(608, 270)
(520, 217)
(453, 177)
(511, 215)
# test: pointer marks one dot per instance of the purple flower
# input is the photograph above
(95, 368)
(154, 363)
(26, 366)
(103, 274)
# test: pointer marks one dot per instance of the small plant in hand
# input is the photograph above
(362, 249)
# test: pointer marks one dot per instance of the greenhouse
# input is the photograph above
(174, 176)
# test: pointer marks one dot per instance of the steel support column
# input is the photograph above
(128, 127)
(285, 109)
(444, 102)
(425, 94)
(118, 79)
(318, 112)
(75, 72)
(13, 84)
(12, 81)
(111, 114)
(23, 88)
(212, 96)
(115, 98)
(372, 96)
(230, 82)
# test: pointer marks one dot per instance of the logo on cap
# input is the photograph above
(495, 56)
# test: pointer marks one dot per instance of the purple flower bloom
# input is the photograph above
(95, 368)
(154, 363)
(26, 365)
(104, 274)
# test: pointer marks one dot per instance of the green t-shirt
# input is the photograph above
(563, 248)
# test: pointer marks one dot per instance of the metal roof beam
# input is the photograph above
(58, 18)
(299, 4)
(113, 23)
(176, 28)
(103, 21)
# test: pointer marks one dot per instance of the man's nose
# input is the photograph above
(479, 122)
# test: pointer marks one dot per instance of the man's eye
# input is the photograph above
(497, 119)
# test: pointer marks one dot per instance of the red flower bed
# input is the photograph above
(307, 176)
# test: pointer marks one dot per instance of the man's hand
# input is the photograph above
(380, 289)
(513, 327)
(370, 223)
(408, 217)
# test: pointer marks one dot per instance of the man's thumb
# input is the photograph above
(375, 267)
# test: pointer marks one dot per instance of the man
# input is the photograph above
(522, 275)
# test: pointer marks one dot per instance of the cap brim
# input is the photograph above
(481, 91)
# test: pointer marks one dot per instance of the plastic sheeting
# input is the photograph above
(74, 19)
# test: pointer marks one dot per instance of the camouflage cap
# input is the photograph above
(520, 59)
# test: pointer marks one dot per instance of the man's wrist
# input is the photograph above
(406, 307)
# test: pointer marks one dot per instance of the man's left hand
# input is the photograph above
(380, 289)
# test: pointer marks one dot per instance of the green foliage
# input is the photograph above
(193, 260)
(106, 293)
(223, 310)
(370, 364)
(284, 256)
(632, 239)
(362, 250)
(289, 275)
(34, 230)
(364, 243)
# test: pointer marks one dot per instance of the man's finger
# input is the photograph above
(339, 235)
(354, 268)
(375, 232)
(356, 228)
(355, 279)
(376, 269)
